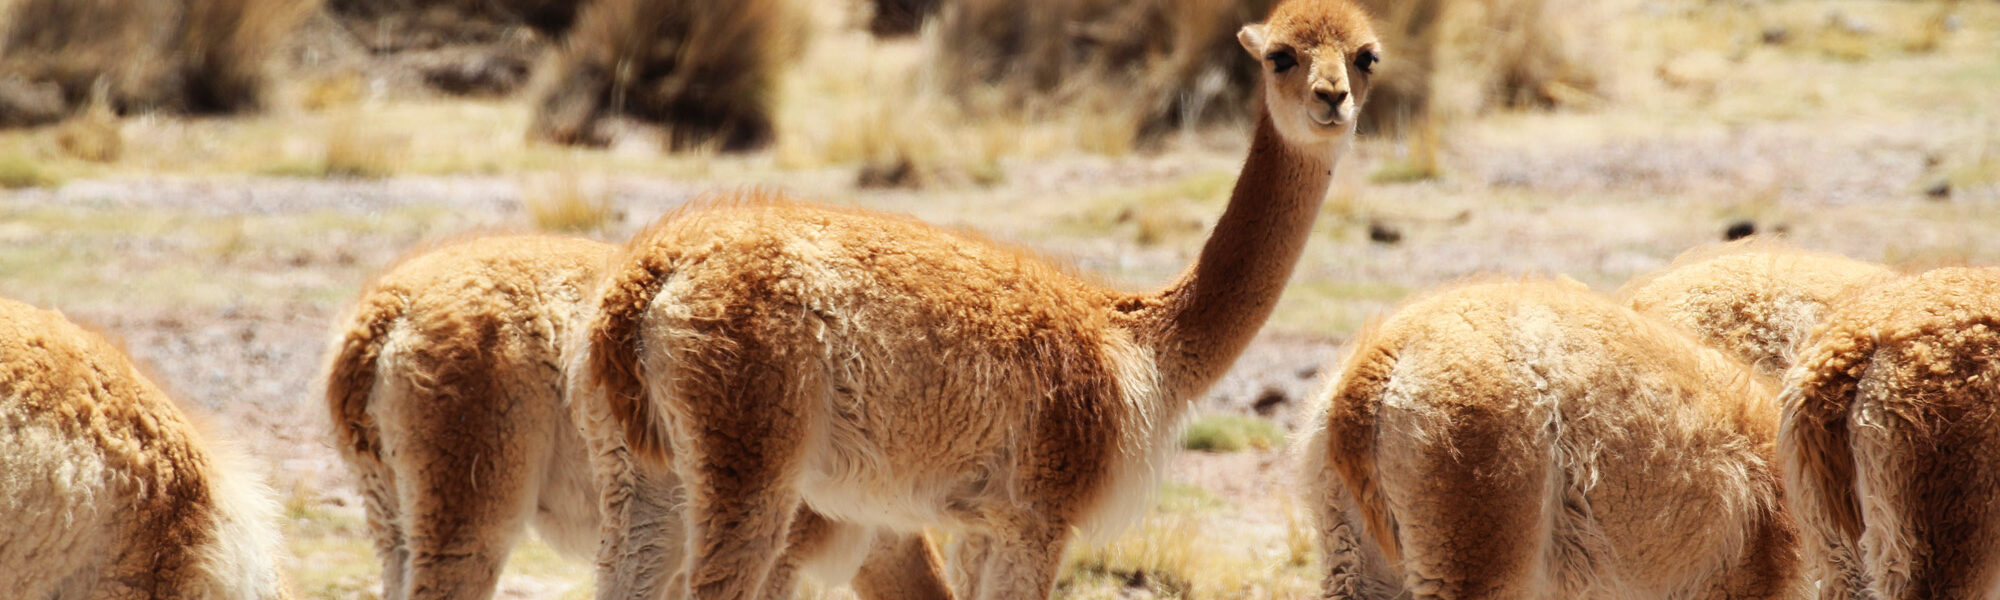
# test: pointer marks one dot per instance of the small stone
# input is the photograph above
(1268, 402)
(1939, 191)
(1776, 35)
(1383, 233)
(1739, 230)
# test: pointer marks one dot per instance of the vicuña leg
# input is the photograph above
(642, 551)
(737, 457)
(901, 567)
(1475, 525)
(385, 526)
(1023, 565)
(467, 500)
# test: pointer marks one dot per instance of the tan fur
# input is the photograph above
(106, 489)
(1755, 299)
(889, 374)
(1889, 435)
(448, 394)
(1531, 439)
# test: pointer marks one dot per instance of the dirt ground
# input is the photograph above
(223, 275)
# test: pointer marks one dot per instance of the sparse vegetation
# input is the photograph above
(1158, 64)
(704, 70)
(1232, 433)
(1464, 56)
(901, 17)
(92, 135)
(564, 202)
(21, 171)
(354, 150)
(194, 56)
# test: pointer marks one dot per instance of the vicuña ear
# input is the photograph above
(1252, 38)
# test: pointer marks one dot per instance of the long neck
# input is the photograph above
(1200, 324)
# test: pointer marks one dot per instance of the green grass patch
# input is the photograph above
(19, 171)
(1231, 433)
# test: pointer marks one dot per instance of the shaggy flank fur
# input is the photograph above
(1889, 435)
(1598, 451)
(703, 69)
(109, 491)
(1756, 299)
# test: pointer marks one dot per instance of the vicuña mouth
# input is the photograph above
(1325, 115)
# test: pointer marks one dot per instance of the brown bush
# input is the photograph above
(1483, 54)
(396, 25)
(194, 56)
(1179, 57)
(901, 17)
(703, 69)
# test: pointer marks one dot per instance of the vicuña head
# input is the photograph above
(890, 375)
(1318, 57)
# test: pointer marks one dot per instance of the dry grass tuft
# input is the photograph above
(194, 56)
(1231, 433)
(703, 69)
(92, 135)
(1188, 546)
(564, 202)
(1173, 63)
(354, 151)
(338, 90)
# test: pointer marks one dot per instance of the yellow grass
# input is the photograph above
(566, 202)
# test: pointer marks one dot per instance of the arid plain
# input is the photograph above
(220, 250)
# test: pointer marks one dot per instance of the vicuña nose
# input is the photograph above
(1331, 98)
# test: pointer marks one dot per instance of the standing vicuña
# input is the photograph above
(448, 398)
(891, 374)
(106, 489)
(1755, 299)
(1891, 442)
(1534, 440)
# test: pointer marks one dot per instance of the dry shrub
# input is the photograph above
(93, 134)
(1178, 59)
(1465, 56)
(458, 47)
(193, 56)
(703, 69)
(203, 57)
(355, 150)
(393, 25)
(565, 202)
(901, 17)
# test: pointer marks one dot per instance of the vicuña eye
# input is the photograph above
(1366, 61)
(1281, 61)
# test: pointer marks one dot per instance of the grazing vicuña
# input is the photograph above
(1757, 300)
(449, 403)
(1890, 438)
(106, 489)
(1534, 440)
